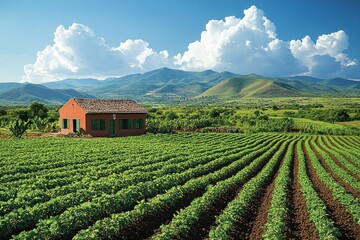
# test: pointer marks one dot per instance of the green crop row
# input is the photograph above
(316, 207)
(110, 179)
(182, 222)
(336, 153)
(80, 216)
(339, 193)
(236, 209)
(275, 224)
(338, 171)
(110, 228)
(349, 145)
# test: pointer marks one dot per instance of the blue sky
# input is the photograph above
(169, 33)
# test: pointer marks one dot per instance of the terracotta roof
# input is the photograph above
(91, 105)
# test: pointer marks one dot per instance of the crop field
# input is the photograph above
(181, 186)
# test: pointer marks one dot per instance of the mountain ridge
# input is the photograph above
(171, 85)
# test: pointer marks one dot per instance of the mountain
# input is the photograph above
(167, 85)
(8, 86)
(335, 82)
(250, 86)
(28, 93)
(159, 83)
(73, 83)
(341, 82)
(306, 79)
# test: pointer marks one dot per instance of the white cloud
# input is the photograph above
(247, 45)
(78, 52)
(327, 52)
(241, 45)
(250, 45)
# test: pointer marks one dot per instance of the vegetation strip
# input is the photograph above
(38, 196)
(316, 207)
(348, 157)
(225, 223)
(117, 224)
(275, 225)
(342, 207)
(182, 222)
(337, 173)
(339, 159)
(78, 217)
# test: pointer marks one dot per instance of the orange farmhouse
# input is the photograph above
(103, 117)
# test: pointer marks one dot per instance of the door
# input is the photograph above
(111, 128)
(76, 125)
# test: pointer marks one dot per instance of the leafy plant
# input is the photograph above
(18, 128)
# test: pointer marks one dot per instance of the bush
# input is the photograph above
(18, 128)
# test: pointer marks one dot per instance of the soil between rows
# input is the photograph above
(201, 229)
(337, 212)
(298, 224)
(342, 154)
(338, 162)
(347, 187)
(251, 225)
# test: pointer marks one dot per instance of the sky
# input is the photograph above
(48, 40)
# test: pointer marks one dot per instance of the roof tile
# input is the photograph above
(91, 105)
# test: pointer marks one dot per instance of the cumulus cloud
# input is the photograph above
(326, 57)
(78, 52)
(250, 45)
(241, 45)
(247, 45)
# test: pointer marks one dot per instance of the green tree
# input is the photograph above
(38, 109)
(40, 123)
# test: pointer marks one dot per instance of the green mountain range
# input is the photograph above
(27, 93)
(169, 85)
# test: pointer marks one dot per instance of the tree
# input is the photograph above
(18, 128)
(40, 123)
(38, 109)
(339, 115)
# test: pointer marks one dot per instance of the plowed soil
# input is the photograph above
(298, 225)
(342, 219)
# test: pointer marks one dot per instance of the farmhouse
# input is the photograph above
(102, 118)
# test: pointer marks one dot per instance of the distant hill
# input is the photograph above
(167, 85)
(73, 83)
(28, 93)
(335, 82)
(250, 86)
(341, 82)
(159, 83)
(8, 86)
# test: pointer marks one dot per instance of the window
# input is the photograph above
(98, 124)
(65, 123)
(125, 124)
(138, 123)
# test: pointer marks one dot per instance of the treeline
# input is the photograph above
(36, 116)
(326, 115)
(215, 119)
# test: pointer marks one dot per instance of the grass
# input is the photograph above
(355, 124)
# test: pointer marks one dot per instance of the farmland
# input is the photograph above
(181, 186)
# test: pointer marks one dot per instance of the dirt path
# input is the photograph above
(337, 212)
(298, 224)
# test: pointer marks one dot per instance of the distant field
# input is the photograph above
(327, 102)
(352, 123)
(181, 186)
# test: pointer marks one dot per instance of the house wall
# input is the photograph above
(116, 117)
(71, 110)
